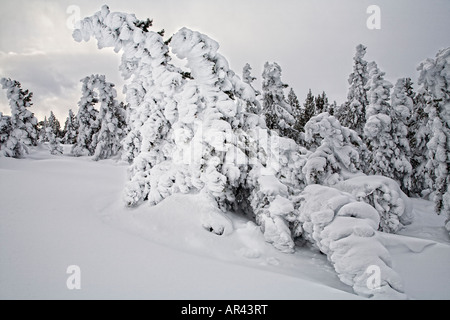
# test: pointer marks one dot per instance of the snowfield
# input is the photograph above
(58, 211)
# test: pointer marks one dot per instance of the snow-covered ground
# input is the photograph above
(57, 211)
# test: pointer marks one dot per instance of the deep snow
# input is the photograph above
(58, 211)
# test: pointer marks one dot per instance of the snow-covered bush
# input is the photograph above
(23, 124)
(334, 151)
(273, 183)
(345, 230)
(383, 194)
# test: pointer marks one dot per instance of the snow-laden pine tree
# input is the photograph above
(386, 143)
(70, 129)
(87, 118)
(23, 132)
(100, 132)
(5, 128)
(306, 112)
(418, 136)
(352, 114)
(402, 106)
(321, 102)
(334, 148)
(297, 113)
(249, 79)
(277, 111)
(42, 130)
(435, 83)
(54, 124)
(54, 145)
(111, 119)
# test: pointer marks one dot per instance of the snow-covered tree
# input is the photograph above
(352, 113)
(42, 130)
(249, 79)
(111, 119)
(54, 145)
(70, 129)
(54, 124)
(418, 136)
(87, 119)
(334, 149)
(5, 128)
(297, 113)
(321, 103)
(305, 113)
(435, 82)
(100, 132)
(385, 136)
(23, 132)
(402, 105)
(332, 108)
(277, 111)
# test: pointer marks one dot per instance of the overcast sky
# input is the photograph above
(313, 40)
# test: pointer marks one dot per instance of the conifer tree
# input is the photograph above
(54, 145)
(112, 121)
(277, 111)
(307, 112)
(352, 113)
(87, 119)
(297, 113)
(434, 79)
(54, 124)
(402, 106)
(384, 142)
(70, 129)
(5, 128)
(419, 136)
(23, 132)
(42, 130)
(249, 79)
(321, 102)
